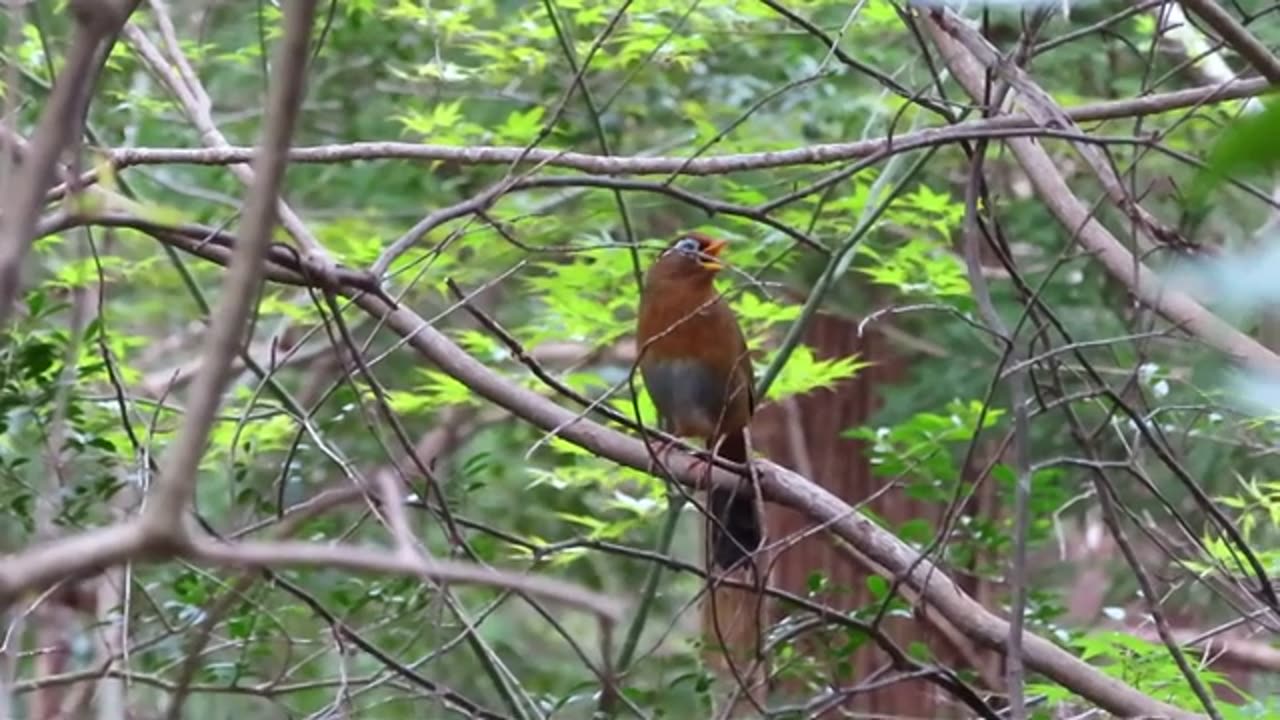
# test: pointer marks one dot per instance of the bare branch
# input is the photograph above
(40, 566)
(783, 486)
(191, 95)
(175, 484)
(258, 554)
(1238, 37)
(1175, 306)
(1041, 107)
(815, 154)
(96, 25)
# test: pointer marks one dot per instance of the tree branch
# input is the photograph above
(1175, 306)
(1238, 37)
(71, 558)
(44, 565)
(96, 25)
(267, 554)
(1040, 106)
(783, 486)
(191, 95)
(175, 484)
(816, 154)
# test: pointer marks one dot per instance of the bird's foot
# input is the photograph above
(662, 454)
(701, 466)
(661, 451)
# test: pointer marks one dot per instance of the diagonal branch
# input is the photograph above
(178, 469)
(43, 565)
(96, 26)
(191, 96)
(1040, 106)
(1238, 37)
(780, 485)
(1175, 306)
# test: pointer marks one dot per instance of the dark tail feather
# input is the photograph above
(737, 532)
(733, 619)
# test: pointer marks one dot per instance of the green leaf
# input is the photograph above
(441, 389)
(521, 127)
(816, 582)
(878, 586)
(1247, 146)
(804, 372)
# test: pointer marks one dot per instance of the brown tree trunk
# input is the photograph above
(805, 434)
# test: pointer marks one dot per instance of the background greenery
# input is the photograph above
(702, 77)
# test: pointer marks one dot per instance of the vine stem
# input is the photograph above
(675, 504)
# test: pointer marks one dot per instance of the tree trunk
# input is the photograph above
(805, 434)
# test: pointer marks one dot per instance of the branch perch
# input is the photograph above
(816, 154)
(780, 485)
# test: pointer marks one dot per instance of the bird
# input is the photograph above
(694, 362)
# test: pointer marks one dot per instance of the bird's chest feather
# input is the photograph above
(688, 394)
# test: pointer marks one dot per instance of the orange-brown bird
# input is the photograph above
(694, 361)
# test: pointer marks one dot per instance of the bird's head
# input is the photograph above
(693, 253)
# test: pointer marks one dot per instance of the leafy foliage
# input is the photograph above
(557, 267)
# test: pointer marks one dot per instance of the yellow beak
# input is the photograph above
(713, 249)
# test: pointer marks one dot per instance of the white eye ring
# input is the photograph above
(687, 245)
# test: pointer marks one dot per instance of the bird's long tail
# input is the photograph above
(735, 534)
(734, 617)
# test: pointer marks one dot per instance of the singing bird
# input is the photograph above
(694, 361)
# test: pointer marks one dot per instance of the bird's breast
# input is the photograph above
(688, 395)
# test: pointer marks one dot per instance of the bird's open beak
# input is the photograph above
(712, 255)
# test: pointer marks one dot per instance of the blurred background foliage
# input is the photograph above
(711, 77)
